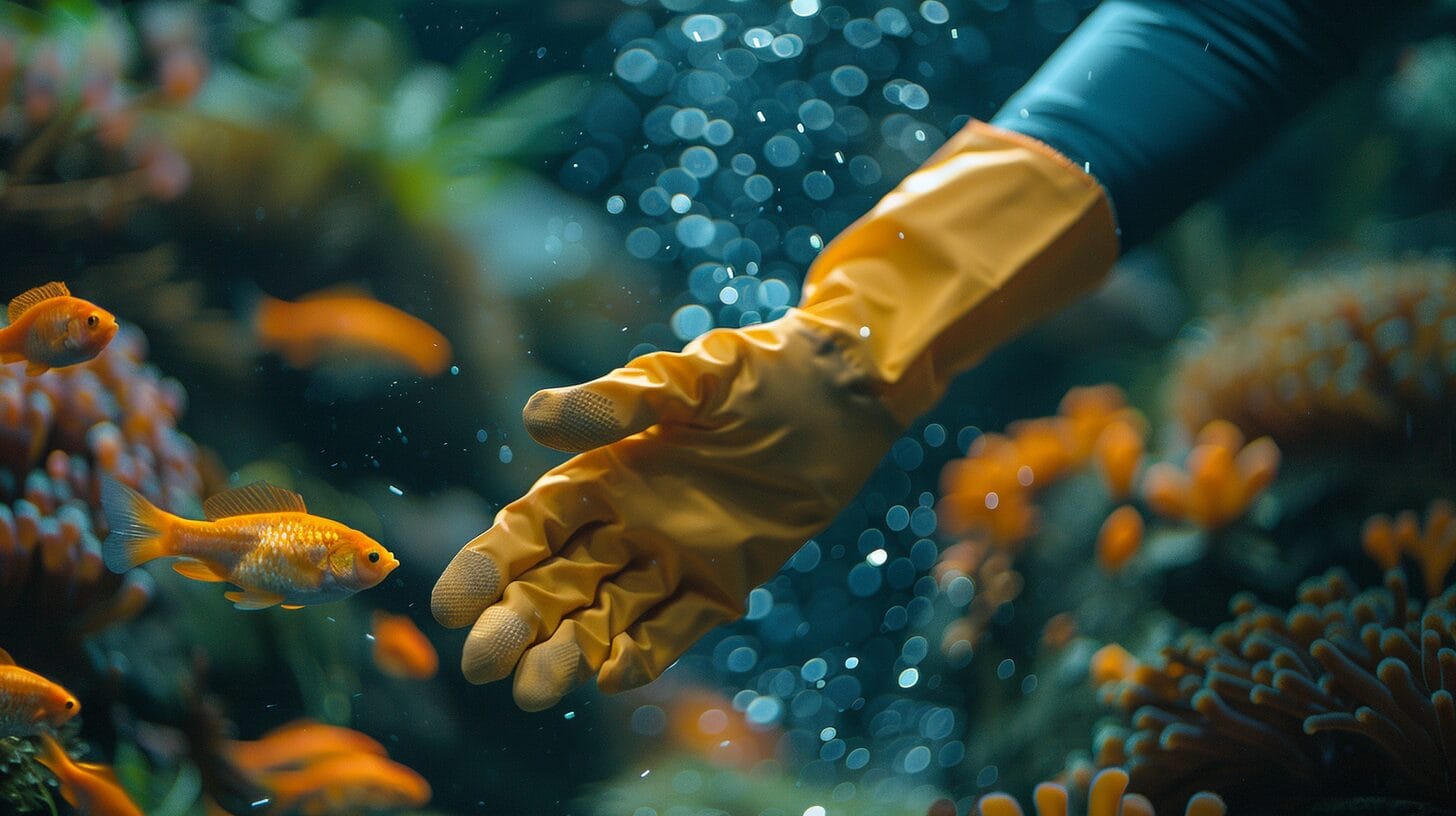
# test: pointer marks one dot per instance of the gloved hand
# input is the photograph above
(701, 472)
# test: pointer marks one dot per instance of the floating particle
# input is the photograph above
(914, 97)
(1005, 669)
(481, 436)
(718, 132)
(636, 65)
(758, 38)
(804, 8)
(760, 603)
(742, 659)
(909, 677)
(960, 590)
(758, 188)
(643, 242)
(897, 518)
(786, 46)
(922, 521)
(865, 170)
(653, 201)
(915, 650)
(938, 724)
(743, 164)
(781, 150)
(858, 758)
(506, 455)
(934, 434)
(689, 123)
(774, 293)
(616, 204)
(877, 557)
(680, 203)
(860, 33)
(728, 296)
(703, 27)
(849, 80)
(816, 114)
(690, 321)
(677, 180)
(934, 12)
(832, 750)
(700, 161)
(864, 580)
(917, 759)
(814, 670)
(696, 231)
(818, 186)
(764, 710)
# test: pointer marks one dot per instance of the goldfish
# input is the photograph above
(401, 649)
(92, 789)
(343, 320)
(29, 703)
(50, 329)
(258, 537)
(347, 784)
(297, 745)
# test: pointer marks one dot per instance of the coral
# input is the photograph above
(75, 140)
(1105, 797)
(1367, 354)
(1221, 477)
(57, 432)
(1433, 548)
(1119, 539)
(1347, 694)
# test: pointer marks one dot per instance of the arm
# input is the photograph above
(1162, 99)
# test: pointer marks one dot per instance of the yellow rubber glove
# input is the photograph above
(701, 472)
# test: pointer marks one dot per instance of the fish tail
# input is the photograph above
(138, 527)
(51, 754)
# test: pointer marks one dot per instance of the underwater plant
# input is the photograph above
(1432, 547)
(1280, 709)
(1105, 797)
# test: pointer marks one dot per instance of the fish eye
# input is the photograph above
(374, 557)
(70, 704)
(93, 320)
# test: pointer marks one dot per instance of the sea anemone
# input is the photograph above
(1279, 708)
(1220, 479)
(1106, 797)
(1433, 547)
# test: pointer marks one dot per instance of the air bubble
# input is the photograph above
(917, 759)
(858, 758)
(690, 321)
(781, 150)
(635, 64)
(908, 678)
(643, 242)
(743, 164)
(742, 659)
(892, 21)
(861, 33)
(688, 123)
(700, 161)
(864, 170)
(914, 97)
(849, 80)
(653, 201)
(616, 204)
(897, 518)
(804, 8)
(774, 293)
(760, 603)
(758, 38)
(696, 231)
(816, 114)
(703, 27)
(934, 12)
(680, 203)
(764, 710)
(785, 46)
(758, 188)
(718, 132)
(818, 186)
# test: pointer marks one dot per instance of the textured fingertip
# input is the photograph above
(627, 668)
(547, 672)
(495, 644)
(470, 584)
(572, 419)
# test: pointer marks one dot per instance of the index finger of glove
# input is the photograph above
(657, 387)
(526, 532)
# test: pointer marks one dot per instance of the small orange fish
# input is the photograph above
(342, 320)
(91, 788)
(259, 537)
(401, 649)
(347, 784)
(29, 703)
(298, 744)
(49, 329)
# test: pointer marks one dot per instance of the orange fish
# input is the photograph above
(347, 784)
(258, 537)
(298, 744)
(49, 329)
(401, 649)
(340, 321)
(29, 703)
(91, 788)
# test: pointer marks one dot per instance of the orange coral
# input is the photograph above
(1220, 479)
(1433, 549)
(1118, 453)
(1106, 796)
(1119, 539)
(1357, 355)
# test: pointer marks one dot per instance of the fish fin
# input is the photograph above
(55, 758)
(339, 290)
(6, 659)
(291, 606)
(137, 526)
(197, 571)
(253, 599)
(258, 497)
(11, 356)
(35, 368)
(29, 298)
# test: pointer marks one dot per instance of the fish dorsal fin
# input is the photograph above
(25, 300)
(258, 497)
(6, 659)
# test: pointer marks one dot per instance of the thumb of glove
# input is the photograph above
(654, 388)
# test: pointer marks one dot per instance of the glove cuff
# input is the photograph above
(993, 233)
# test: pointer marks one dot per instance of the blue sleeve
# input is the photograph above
(1161, 99)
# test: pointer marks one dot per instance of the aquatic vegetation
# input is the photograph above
(1120, 537)
(1368, 354)
(401, 649)
(1105, 797)
(76, 140)
(49, 329)
(1220, 479)
(1432, 547)
(58, 432)
(346, 323)
(1278, 708)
